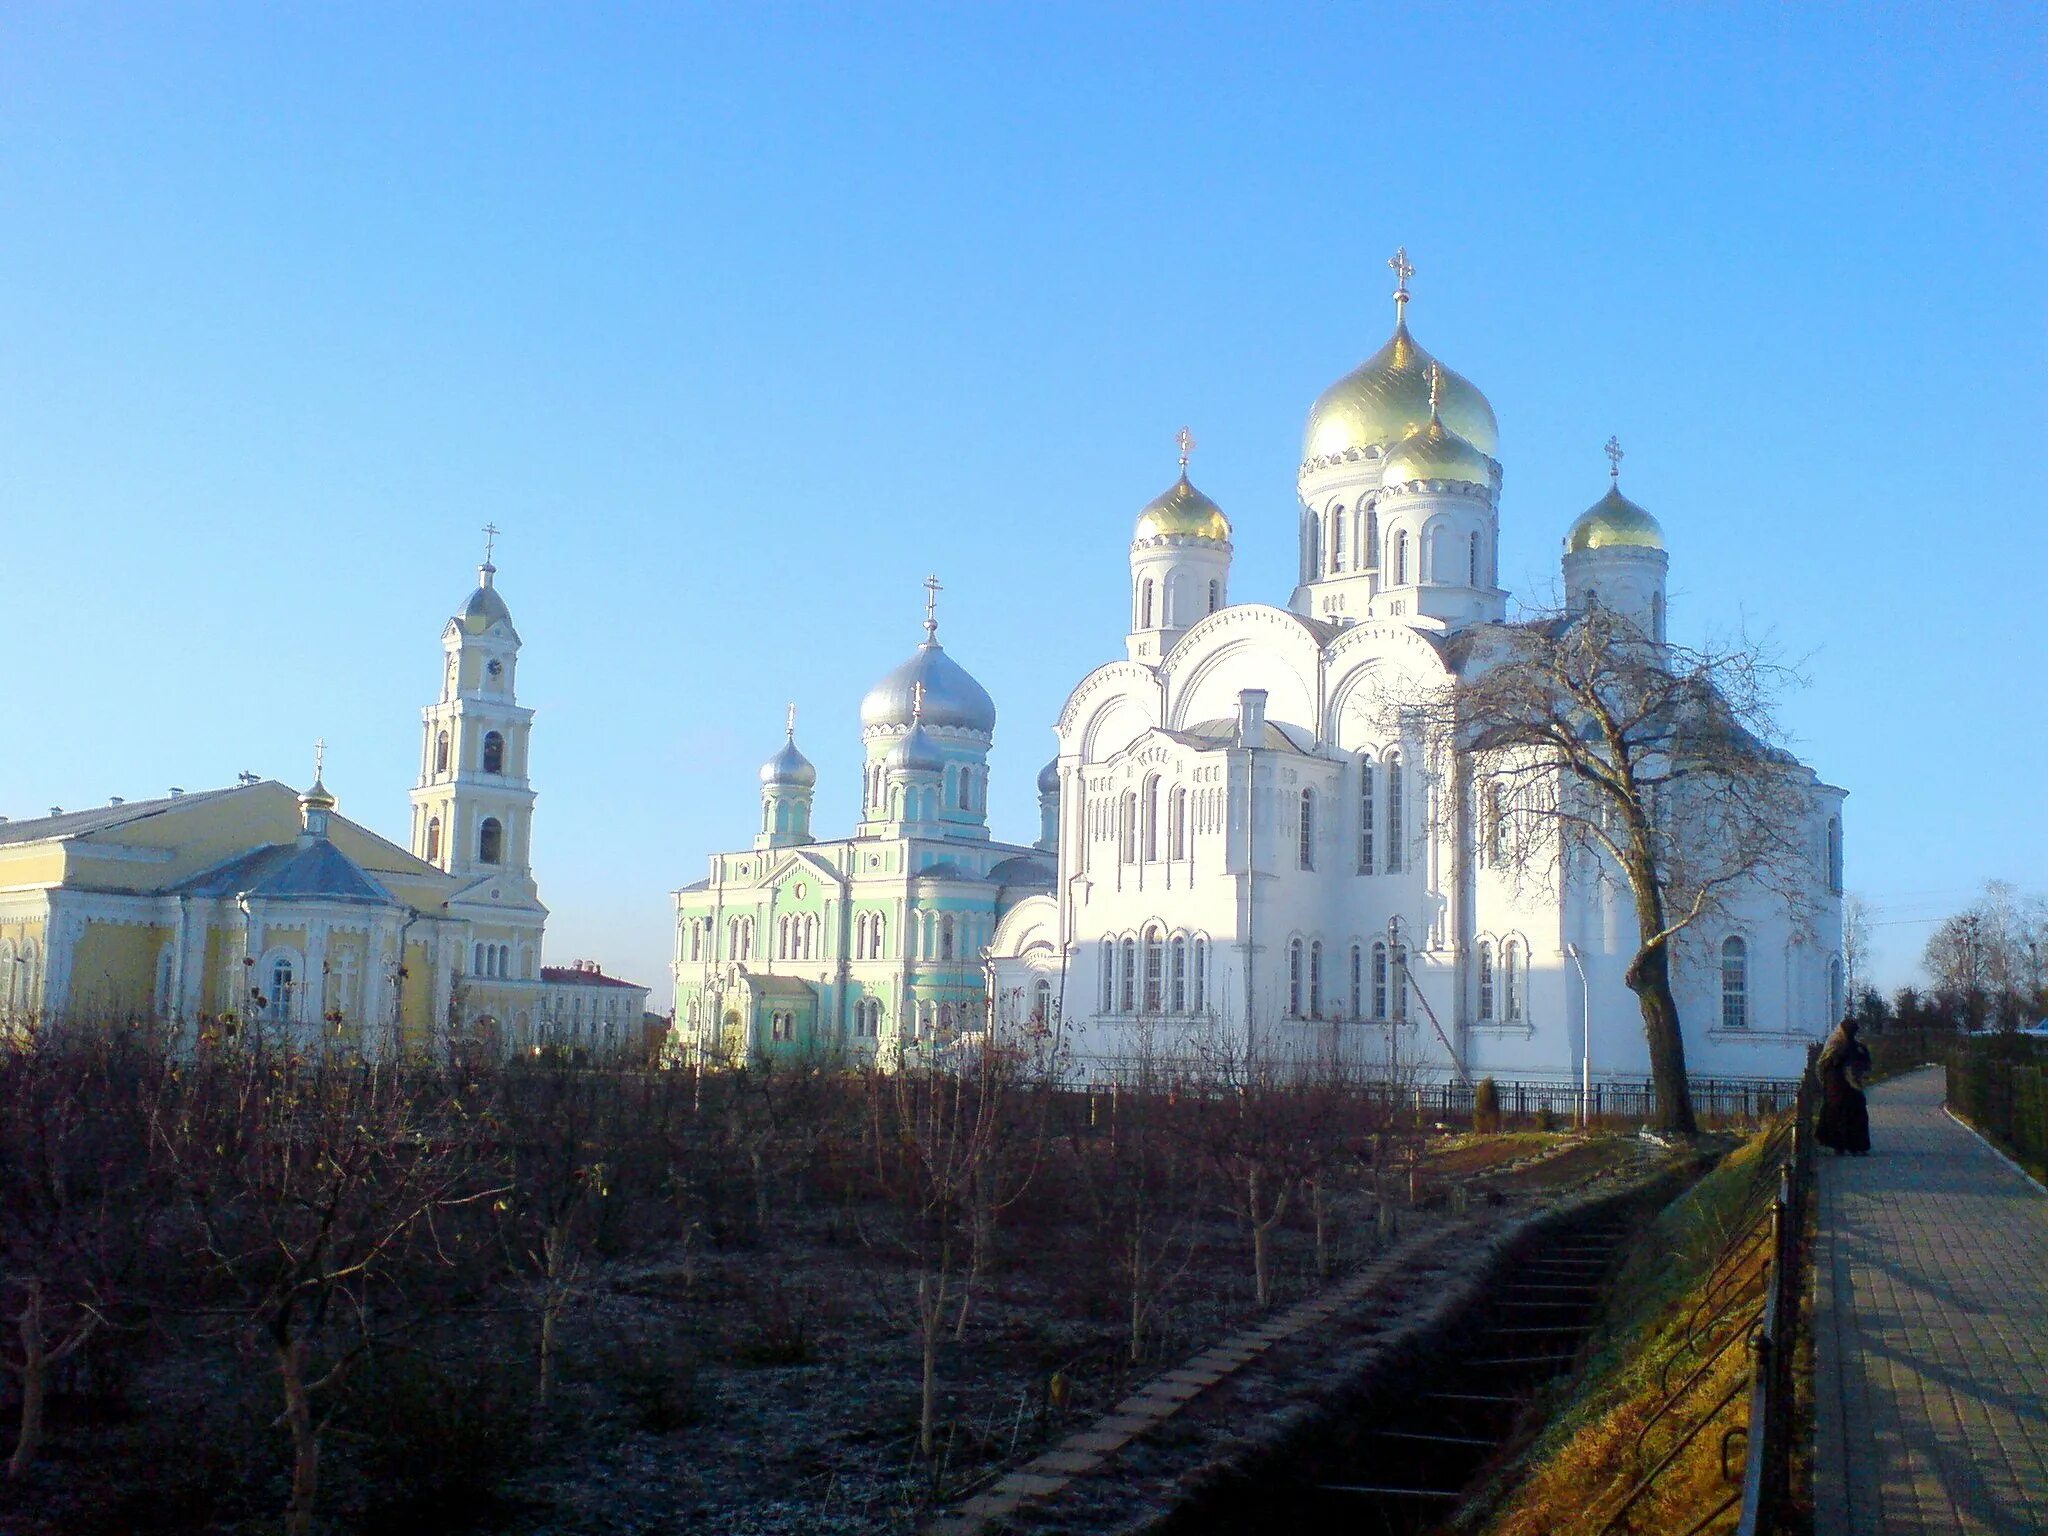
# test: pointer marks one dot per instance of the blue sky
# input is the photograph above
(739, 320)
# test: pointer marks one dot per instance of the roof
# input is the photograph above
(1022, 869)
(309, 869)
(574, 976)
(763, 985)
(100, 819)
(1277, 735)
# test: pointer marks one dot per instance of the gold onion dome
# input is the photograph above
(1183, 511)
(1614, 522)
(1434, 452)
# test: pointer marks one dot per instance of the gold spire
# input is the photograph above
(1403, 270)
(1614, 457)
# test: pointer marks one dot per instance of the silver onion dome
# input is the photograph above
(916, 752)
(952, 698)
(789, 769)
(1049, 778)
(485, 607)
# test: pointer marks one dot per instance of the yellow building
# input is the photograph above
(228, 908)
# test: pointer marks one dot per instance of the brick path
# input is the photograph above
(1931, 1331)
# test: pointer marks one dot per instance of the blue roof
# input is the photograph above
(305, 870)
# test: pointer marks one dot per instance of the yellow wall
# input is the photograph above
(114, 968)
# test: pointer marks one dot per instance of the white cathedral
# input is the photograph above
(1244, 852)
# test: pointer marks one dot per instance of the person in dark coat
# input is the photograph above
(1844, 1064)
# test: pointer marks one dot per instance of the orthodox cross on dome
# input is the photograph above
(319, 760)
(491, 532)
(1186, 439)
(932, 589)
(1614, 458)
(791, 723)
(917, 703)
(1436, 386)
(1403, 270)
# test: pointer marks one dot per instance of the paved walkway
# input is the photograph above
(1931, 1331)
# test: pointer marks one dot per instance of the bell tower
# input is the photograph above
(472, 809)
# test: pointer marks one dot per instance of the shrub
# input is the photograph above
(1486, 1107)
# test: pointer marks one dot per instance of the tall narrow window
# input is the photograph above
(441, 753)
(1178, 974)
(1315, 979)
(1108, 976)
(490, 841)
(1305, 831)
(1379, 979)
(1130, 827)
(1734, 984)
(946, 937)
(1396, 817)
(1145, 604)
(1336, 540)
(1511, 981)
(1201, 977)
(1357, 982)
(1177, 823)
(433, 838)
(1368, 772)
(1152, 818)
(494, 752)
(1127, 995)
(1294, 979)
(282, 979)
(1154, 959)
(881, 935)
(1312, 555)
(1372, 539)
(1834, 854)
(1215, 595)
(1401, 558)
(1486, 979)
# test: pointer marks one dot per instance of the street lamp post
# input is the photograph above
(1585, 1038)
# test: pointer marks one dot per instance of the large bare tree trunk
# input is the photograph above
(298, 1413)
(35, 1370)
(1649, 977)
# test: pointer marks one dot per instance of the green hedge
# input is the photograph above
(1999, 1083)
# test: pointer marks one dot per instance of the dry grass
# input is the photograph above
(1660, 1384)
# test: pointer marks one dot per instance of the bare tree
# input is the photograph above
(1856, 923)
(307, 1193)
(1585, 748)
(1987, 961)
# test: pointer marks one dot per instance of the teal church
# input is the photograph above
(874, 943)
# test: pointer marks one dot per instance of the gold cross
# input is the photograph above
(490, 540)
(932, 589)
(319, 760)
(1403, 270)
(1186, 439)
(1614, 457)
(1436, 385)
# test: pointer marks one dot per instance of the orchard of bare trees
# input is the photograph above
(253, 1290)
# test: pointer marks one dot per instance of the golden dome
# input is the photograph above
(1613, 522)
(1184, 511)
(1434, 452)
(1387, 397)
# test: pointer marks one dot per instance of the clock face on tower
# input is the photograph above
(496, 666)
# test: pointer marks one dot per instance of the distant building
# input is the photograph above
(587, 1011)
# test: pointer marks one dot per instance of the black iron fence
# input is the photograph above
(1999, 1084)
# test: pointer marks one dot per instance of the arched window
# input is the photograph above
(1372, 538)
(1357, 981)
(504, 959)
(1127, 994)
(1734, 984)
(1041, 1002)
(433, 838)
(1153, 962)
(490, 841)
(1511, 976)
(1294, 979)
(1108, 976)
(881, 944)
(1152, 818)
(1178, 972)
(1315, 979)
(1401, 558)
(1368, 771)
(1336, 540)
(1834, 854)
(494, 752)
(1472, 573)
(1201, 976)
(283, 978)
(1215, 595)
(1177, 823)
(1130, 826)
(946, 937)
(1145, 603)
(1312, 552)
(476, 960)
(1305, 831)
(1397, 828)
(441, 753)
(1379, 979)
(1486, 978)
(1836, 1003)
